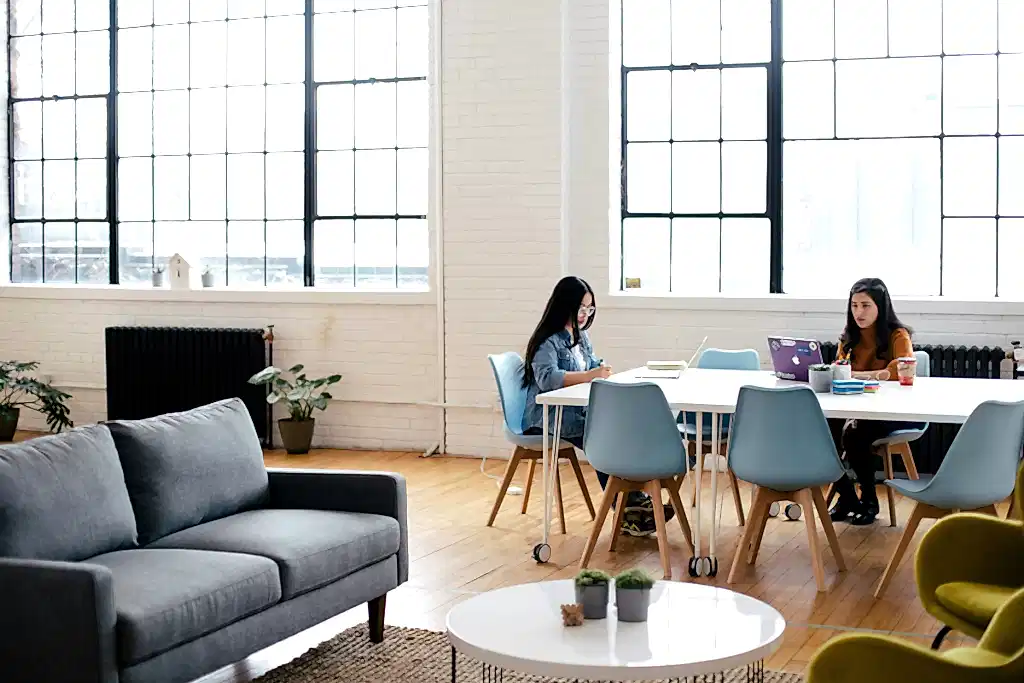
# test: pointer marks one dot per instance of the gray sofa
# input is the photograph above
(163, 549)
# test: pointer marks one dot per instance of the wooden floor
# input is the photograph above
(454, 555)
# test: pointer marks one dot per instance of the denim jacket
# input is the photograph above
(553, 359)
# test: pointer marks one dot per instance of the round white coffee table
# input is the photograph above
(691, 630)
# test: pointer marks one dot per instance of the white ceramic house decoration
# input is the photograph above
(179, 272)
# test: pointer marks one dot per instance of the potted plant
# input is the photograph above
(633, 594)
(592, 593)
(158, 276)
(819, 376)
(20, 390)
(207, 277)
(301, 396)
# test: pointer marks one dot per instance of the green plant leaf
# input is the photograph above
(265, 375)
(295, 369)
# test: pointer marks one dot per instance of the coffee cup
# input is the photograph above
(906, 368)
(842, 370)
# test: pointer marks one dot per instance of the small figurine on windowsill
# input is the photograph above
(572, 615)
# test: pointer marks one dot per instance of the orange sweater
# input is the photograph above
(864, 359)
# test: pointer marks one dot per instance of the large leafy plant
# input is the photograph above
(19, 389)
(301, 396)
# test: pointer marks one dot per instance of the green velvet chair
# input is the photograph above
(968, 565)
(856, 658)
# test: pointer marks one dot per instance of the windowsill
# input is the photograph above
(310, 295)
(787, 303)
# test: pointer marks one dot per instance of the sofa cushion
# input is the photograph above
(183, 469)
(974, 602)
(311, 547)
(165, 598)
(63, 497)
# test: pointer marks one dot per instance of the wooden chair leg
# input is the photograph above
(907, 455)
(737, 501)
(813, 541)
(654, 491)
(673, 495)
(620, 512)
(529, 484)
(989, 510)
(830, 531)
(755, 544)
(758, 514)
(558, 495)
(613, 486)
(889, 493)
(919, 512)
(582, 482)
(1011, 512)
(510, 471)
(830, 494)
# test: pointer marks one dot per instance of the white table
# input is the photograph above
(692, 629)
(931, 399)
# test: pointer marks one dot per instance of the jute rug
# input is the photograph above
(412, 656)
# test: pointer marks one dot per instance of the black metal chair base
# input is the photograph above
(940, 636)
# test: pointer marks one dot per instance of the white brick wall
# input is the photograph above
(510, 170)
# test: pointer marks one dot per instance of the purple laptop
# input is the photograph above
(792, 358)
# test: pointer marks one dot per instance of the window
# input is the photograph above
(240, 136)
(797, 145)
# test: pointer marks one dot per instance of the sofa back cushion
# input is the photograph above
(183, 469)
(63, 497)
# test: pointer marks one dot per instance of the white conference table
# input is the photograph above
(931, 399)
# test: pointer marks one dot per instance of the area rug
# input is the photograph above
(410, 655)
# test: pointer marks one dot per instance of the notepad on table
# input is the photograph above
(655, 373)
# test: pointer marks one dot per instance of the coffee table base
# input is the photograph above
(494, 674)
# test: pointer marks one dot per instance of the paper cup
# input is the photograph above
(906, 368)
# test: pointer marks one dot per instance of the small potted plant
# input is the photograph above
(301, 396)
(158, 276)
(592, 593)
(207, 277)
(633, 594)
(20, 390)
(820, 378)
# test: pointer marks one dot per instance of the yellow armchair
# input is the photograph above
(998, 658)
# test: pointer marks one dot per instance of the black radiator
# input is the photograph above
(157, 370)
(946, 361)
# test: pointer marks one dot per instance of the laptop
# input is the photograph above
(792, 358)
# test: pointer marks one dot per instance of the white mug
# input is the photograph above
(842, 371)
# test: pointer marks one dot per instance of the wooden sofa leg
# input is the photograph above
(376, 609)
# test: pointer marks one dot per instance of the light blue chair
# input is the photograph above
(979, 470)
(781, 443)
(631, 435)
(717, 359)
(508, 373)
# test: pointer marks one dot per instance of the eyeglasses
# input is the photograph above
(588, 310)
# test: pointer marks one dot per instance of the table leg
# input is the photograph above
(542, 551)
(711, 566)
(696, 565)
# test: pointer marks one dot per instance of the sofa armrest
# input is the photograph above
(855, 658)
(57, 622)
(377, 493)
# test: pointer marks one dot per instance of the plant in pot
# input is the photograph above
(207, 277)
(301, 396)
(158, 276)
(820, 377)
(18, 389)
(592, 592)
(633, 594)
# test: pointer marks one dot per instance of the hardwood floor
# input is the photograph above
(455, 555)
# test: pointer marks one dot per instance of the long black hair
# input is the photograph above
(887, 322)
(562, 309)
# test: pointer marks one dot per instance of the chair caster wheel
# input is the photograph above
(542, 553)
(773, 510)
(694, 567)
(793, 512)
(711, 566)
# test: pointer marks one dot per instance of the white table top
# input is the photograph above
(691, 629)
(931, 399)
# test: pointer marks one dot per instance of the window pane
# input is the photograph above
(744, 179)
(696, 114)
(807, 100)
(861, 28)
(59, 64)
(202, 243)
(969, 177)
(135, 260)
(746, 31)
(807, 29)
(334, 253)
(888, 97)
(335, 183)
(208, 183)
(208, 128)
(1011, 99)
(59, 129)
(209, 44)
(134, 124)
(243, 9)
(58, 16)
(93, 63)
(969, 258)
(696, 177)
(1011, 275)
(92, 188)
(861, 198)
(284, 185)
(246, 52)
(285, 51)
(26, 252)
(376, 254)
(1011, 19)
(170, 122)
(332, 60)
(412, 181)
(696, 32)
(285, 253)
(746, 246)
(26, 67)
(246, 128)
(208, 10)
(648, 177)
(969, 95)
(413, 254)
(1011, 178)
(170, 188)
(91, 128)
(278, 7)
(170, 56)
(695, 256)
(245, 186)
(376, 113)
(649, 103)
(59, 252)
(375, 44)
(744, 114)
(969, 26)
(28, 130)
(285, 118)
(170, 11)
(134, 59)
(134, 13)
(645, 252)
(25, 17)
(413, 114)
(335, 115)
(915, 27)
(375, 182)
(246, 253)
(58, 189)
(93, 253)
(135, 189)
(646, 36)
(28, 189)
(412, 42)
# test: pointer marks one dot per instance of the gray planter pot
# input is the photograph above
(594, 600)
(633, 603)
(296, 437)
(158, 279)
(820, 380)
(207, 279)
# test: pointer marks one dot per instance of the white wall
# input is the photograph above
(527, 194)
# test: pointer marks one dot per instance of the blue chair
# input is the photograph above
(508, 373)
(979, 470)
(718, 359)
(898, 443)
(631, 435)
(781, 443)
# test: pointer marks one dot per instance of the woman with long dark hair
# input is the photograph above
(559, 354)
(873, 341)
